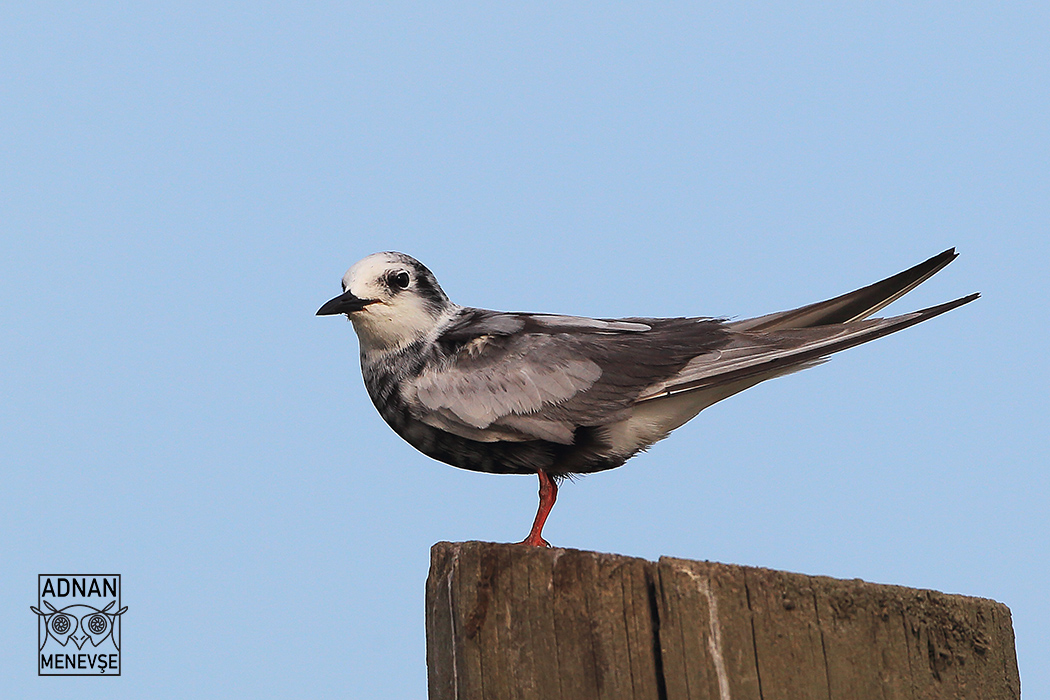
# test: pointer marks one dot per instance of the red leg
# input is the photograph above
(548, 494)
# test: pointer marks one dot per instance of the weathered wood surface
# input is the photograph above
(509, 622)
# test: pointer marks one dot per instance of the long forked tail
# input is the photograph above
(854, 305)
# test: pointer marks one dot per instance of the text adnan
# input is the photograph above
(62, 587)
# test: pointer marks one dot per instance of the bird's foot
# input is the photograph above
(534, 540)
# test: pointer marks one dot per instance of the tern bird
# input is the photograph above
(525, 393)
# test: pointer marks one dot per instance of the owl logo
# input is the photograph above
(80, 623)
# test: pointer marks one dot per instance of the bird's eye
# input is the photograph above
(401, 280)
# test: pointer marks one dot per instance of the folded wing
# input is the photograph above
(543, 376)
(760, 355)
(854, 305)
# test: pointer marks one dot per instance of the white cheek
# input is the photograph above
(386, 326)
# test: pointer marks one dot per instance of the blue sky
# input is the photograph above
(185, 183)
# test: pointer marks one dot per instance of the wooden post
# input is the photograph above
(507, 622)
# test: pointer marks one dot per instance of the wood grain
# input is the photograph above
(509, 622)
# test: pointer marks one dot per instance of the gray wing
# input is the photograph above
(521, 377)
(753, 356)
(852, 306)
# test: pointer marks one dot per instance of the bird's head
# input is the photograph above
(392, 300)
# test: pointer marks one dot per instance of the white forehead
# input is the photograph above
(365, 272)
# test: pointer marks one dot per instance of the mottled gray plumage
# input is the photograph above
(540, 393)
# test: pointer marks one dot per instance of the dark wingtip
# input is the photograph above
(937, 262)
(855, 305)
(939, 309)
